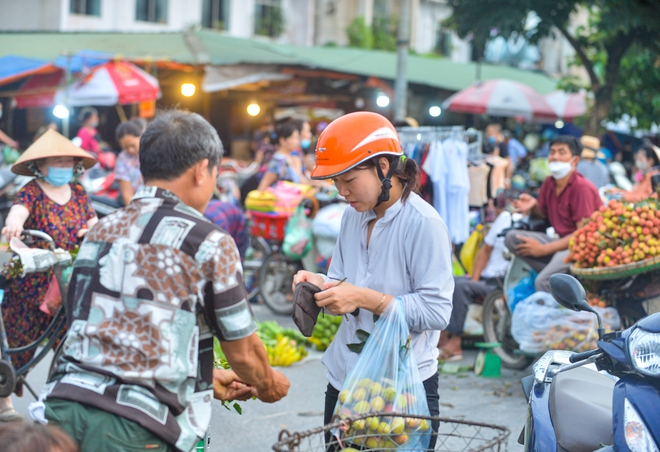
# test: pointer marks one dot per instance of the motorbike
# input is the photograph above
(276, 274)
(10, 184)
(103, 190)
(607, 399)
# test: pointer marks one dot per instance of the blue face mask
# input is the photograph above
(59, 176)
(305, 143)
(491, 140)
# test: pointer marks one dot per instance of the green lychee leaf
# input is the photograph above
(362, 335)
(356, 348)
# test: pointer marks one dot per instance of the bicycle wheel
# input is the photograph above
(497, 328)
(258, 250)
(275, 281)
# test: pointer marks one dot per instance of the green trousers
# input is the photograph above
(99, 431)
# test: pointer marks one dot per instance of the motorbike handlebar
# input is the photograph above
(577, 357)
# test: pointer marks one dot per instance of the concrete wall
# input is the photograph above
(241, 18)
(119, 15)
(29, 15)
(556, 52)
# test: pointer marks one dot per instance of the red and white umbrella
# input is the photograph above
(112, 83)
(501, 98)
(567, 105)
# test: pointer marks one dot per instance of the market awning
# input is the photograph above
(13, 68)
(219, 78)
(39, 90)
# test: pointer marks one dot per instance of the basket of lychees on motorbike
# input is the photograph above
(619, 240)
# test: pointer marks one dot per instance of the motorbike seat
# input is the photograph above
(581, 409)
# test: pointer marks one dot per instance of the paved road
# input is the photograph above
(462, 396)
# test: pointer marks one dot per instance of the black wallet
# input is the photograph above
(305, 310)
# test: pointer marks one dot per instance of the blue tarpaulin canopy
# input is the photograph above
(13, 67)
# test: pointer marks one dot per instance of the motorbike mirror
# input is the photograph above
(655, 181)
(569, 292)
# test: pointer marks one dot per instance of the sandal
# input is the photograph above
(10, 415)
(448, 357)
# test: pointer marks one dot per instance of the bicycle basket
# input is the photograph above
(270, 226)
(453, 435)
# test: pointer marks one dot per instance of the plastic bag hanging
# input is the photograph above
(385, 380)
(298, 235)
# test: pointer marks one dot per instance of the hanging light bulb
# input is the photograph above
(253, 109)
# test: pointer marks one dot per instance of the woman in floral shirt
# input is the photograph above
(127, 171)
(284, 165)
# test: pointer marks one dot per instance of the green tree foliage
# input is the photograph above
(359, 34)
(271, 23)
(385, 31)
(614, 27)
(380, 36)
(637, 90)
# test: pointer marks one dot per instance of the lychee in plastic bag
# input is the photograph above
(385, 379)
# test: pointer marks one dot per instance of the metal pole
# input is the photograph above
(401, 82)
(67, 82)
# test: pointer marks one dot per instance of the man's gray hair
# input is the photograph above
(175, 141)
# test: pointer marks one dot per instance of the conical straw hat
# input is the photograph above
(51, 144)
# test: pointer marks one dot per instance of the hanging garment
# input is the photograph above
(478, 184)
(436, 168)
(458, 189)
(498, 173)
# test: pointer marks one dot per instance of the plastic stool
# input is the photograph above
(487, 363)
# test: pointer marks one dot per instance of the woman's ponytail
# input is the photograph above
(408, 174)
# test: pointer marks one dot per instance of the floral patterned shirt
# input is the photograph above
(151, 285)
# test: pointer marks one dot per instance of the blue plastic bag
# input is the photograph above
(522, 290)
(385, 383)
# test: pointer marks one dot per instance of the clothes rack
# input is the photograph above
(472, 137)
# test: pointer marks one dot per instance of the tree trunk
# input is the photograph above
(603, 94)
(602, 103)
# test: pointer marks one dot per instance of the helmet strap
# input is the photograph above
(386, 181)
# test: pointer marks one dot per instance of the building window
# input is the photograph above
(215, 14)
(85, 7)
(151, 11)
(443, 41)
(269, 18)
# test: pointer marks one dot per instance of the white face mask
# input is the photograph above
(560, 170)
(642, 166)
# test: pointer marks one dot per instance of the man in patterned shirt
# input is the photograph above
(152, 284)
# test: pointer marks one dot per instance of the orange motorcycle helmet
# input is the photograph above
(352, 139)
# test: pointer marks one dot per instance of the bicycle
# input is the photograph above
(59, 260)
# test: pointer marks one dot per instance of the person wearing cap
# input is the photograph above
(53, 204)
(647, 160)
(392, 244)
(487, 275)
(590, 165)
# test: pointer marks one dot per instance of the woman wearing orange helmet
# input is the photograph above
(392, 243)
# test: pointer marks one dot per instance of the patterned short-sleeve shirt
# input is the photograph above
(151, 285)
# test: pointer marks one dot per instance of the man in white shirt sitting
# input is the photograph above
(489, 269)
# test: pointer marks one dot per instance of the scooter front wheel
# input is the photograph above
(275, 281)
(497, 328)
